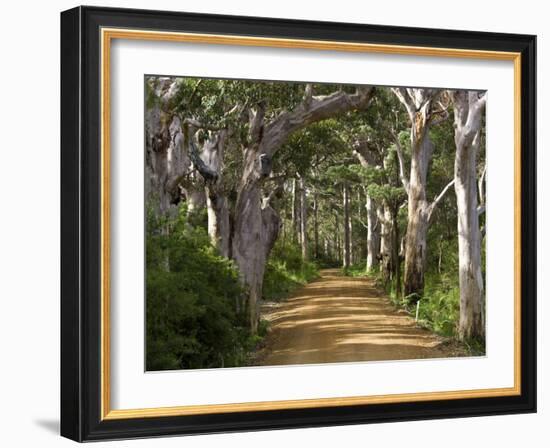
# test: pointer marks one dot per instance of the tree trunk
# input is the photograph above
(369, 158)
(315, 226)
(346, 247)
(469, 245)
(303, 220)
(352, 248)
(418, 211)
(468, 119)
(295, 212)
(395, 252)
(386, 248)
(419, 106)
(218, 223)
(336, 237)
(166, 157)
(373, 235)
(195, 198)
(209, 163)
(256, 230)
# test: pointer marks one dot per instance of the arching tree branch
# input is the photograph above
(438, 199)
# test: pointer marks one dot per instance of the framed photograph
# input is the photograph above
(276, 224)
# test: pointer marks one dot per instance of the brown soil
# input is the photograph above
(344, 319)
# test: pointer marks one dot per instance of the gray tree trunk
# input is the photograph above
(303, 220)
(386, 239)
(396, 262)
(373, 235)
(209, 163)
(369, 158)
(166, 158)
(315, 225)
(194, 197)
(419, 104)
(336, 237)
(295, 211)
(468, 111)
(346, 254)
(216, 201)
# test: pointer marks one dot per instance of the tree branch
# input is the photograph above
(402, 169)
(198, 124)
(307, 112)
(256, 123)
(442, 114)
(363, 223)
(438, 199)
(403, 95)
(481, 186)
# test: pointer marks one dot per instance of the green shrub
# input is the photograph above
(191, 299)
(439, 307)
(286, 270)
(358, 269)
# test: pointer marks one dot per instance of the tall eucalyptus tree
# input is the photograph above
(468, 118)
(425, 109)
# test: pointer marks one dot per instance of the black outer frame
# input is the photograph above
(80, 224)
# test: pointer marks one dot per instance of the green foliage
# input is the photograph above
(286, 271)
(191, 299)
(439, 308)
(356, 270)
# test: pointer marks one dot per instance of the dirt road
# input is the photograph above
(343, 319)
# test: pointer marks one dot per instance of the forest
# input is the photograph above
(267, 199)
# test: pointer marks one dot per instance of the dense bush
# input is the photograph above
(286, 270)
(191, 296)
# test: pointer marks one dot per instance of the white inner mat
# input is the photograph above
(132, 387)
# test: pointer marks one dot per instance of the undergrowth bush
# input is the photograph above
(286, 270)
(191, 296)
(358, 269)
(439, 307)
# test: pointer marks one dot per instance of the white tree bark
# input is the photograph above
(303, 220)
(420, 106)
(315, 225)
(367, 158)
(386, 238)
(216, 201)
(295, 211)
(468, 112)
(346, 254)
(373, 235)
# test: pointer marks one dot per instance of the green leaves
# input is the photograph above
(191, 297)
